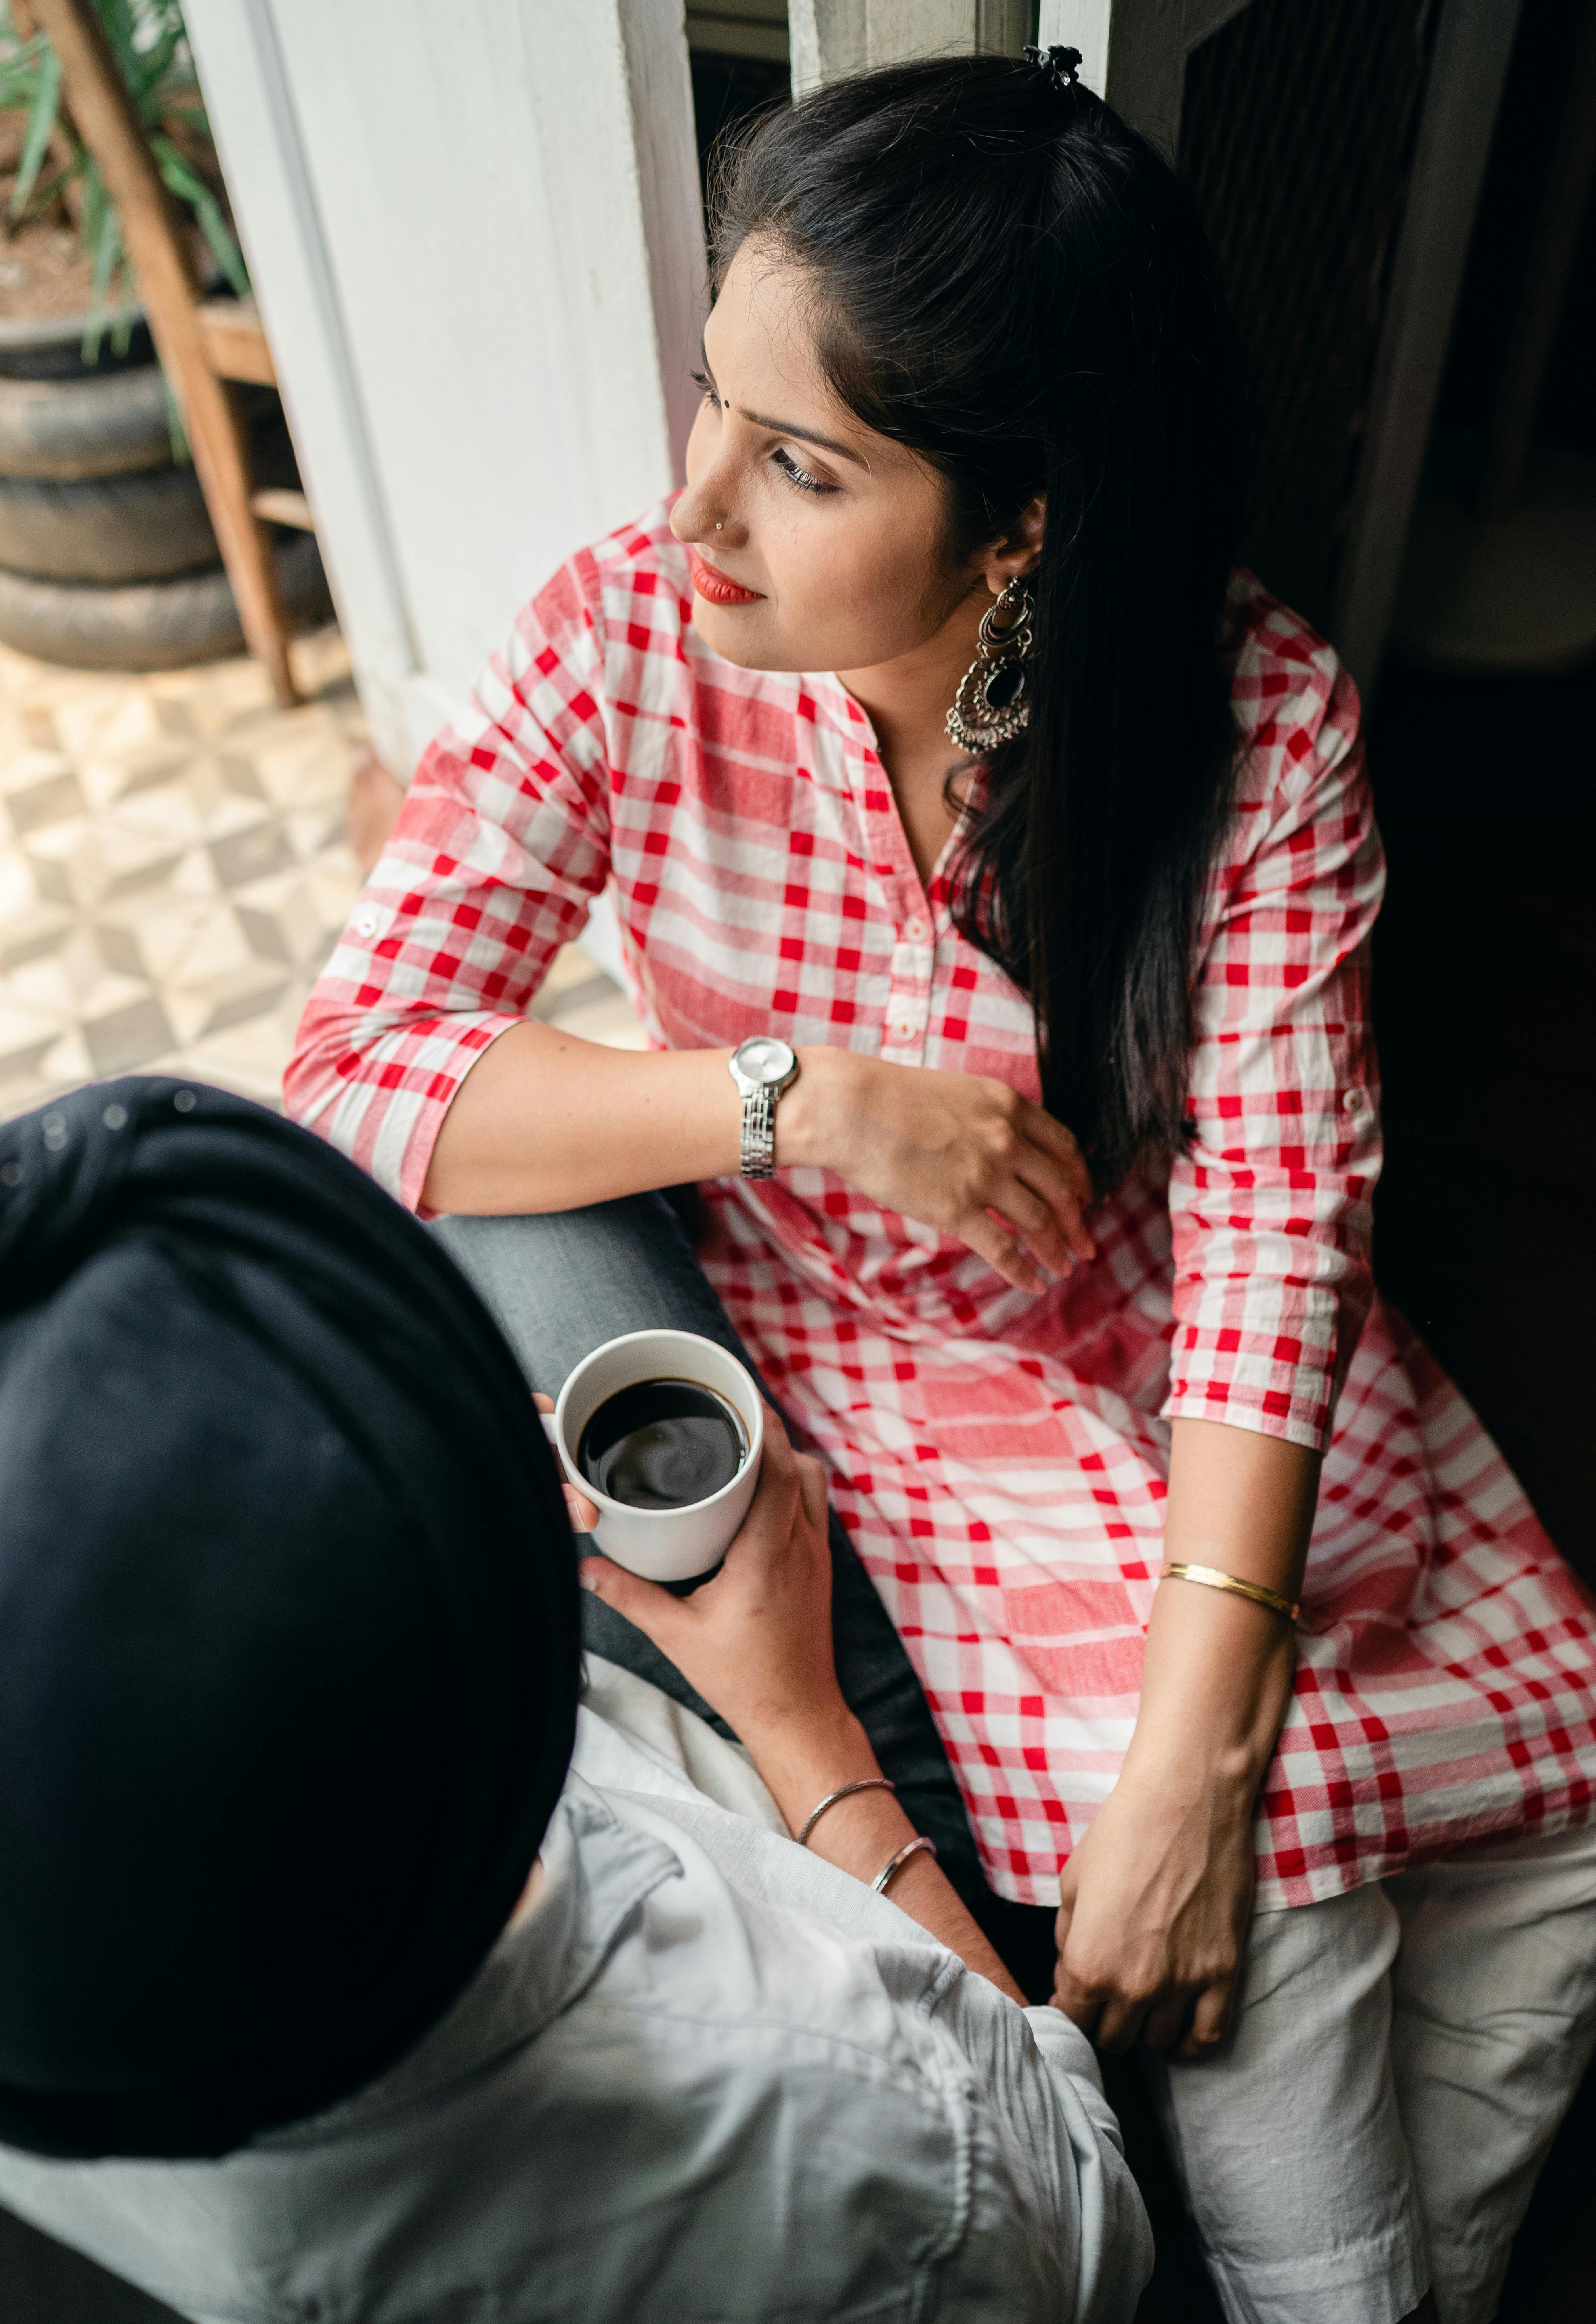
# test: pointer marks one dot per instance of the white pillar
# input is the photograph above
(476, 236)
(829, 37)
(1083, 25)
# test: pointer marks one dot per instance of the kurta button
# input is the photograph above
(915, 930)
(1355, 1100)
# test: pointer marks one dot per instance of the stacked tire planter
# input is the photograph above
(107, 559)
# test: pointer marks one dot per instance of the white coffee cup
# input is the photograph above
(661, 1545)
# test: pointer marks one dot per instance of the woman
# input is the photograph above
(1063, 1266)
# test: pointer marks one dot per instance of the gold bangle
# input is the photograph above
(1213, 1578)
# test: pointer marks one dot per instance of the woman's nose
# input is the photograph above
(706, 512)
(698, 516)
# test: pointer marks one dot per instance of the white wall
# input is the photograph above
(840, 36)
(476, 237)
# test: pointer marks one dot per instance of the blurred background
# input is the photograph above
(326, 333)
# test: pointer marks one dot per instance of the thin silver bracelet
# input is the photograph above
(896, 1863)
(845, 1791)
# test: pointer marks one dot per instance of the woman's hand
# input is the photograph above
(948, 1149)
(1155, 1906)
(1156, 1899)
(755, 1641)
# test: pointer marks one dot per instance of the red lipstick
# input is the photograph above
(713, 587)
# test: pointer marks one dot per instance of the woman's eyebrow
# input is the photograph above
(784, 426)
(806, 435)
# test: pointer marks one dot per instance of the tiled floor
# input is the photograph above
(173, 868)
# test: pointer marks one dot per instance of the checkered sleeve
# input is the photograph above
(1272, 1201)
(502, 842)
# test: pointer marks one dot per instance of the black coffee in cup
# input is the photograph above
(663, 1444)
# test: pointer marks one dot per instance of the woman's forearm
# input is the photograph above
(1217, 1670)
(544, 1121)
(1154, 1901)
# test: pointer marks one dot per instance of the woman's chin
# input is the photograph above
(740, 634)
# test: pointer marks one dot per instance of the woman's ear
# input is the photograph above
(1019, 548)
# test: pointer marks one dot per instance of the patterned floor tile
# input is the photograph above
(173, 870)
(605, 1015)
(53, 799)
(128, 1037)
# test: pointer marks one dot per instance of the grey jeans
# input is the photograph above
(563, 1283)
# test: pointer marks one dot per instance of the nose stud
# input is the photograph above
(720, 528)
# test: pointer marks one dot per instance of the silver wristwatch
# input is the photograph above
(762, 1068)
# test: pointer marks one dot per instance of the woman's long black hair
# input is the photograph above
(1010, 283)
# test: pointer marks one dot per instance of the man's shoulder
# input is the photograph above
(744, 2056)
(763, 1946)
(705, 2075)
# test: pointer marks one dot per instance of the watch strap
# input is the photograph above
(759, 1132)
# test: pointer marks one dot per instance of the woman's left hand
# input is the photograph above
(1154, 1912)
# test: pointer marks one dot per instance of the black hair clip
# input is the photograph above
(1062, 66)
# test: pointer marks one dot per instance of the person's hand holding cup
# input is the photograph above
(755, 1640)
(659, 1436)
(656, 1417)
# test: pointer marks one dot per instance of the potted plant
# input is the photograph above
(107, 557)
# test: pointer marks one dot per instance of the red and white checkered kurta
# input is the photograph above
(1001, 1461)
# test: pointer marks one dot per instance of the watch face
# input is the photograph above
(765, 1059)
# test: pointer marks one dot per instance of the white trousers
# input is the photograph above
(1401, 2059)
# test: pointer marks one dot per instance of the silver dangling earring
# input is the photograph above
(993, 703)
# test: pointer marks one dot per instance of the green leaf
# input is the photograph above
(40, 122)
(116, 21)
(107, 255)
(91, 216)
(191, 187)
(155, 66)
(148, 43)
(125, 308)
(19, 77)
(179, 173)
(181, 457)
(51, 189)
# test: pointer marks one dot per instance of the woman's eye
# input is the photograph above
(702, 385)
(801, 478)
